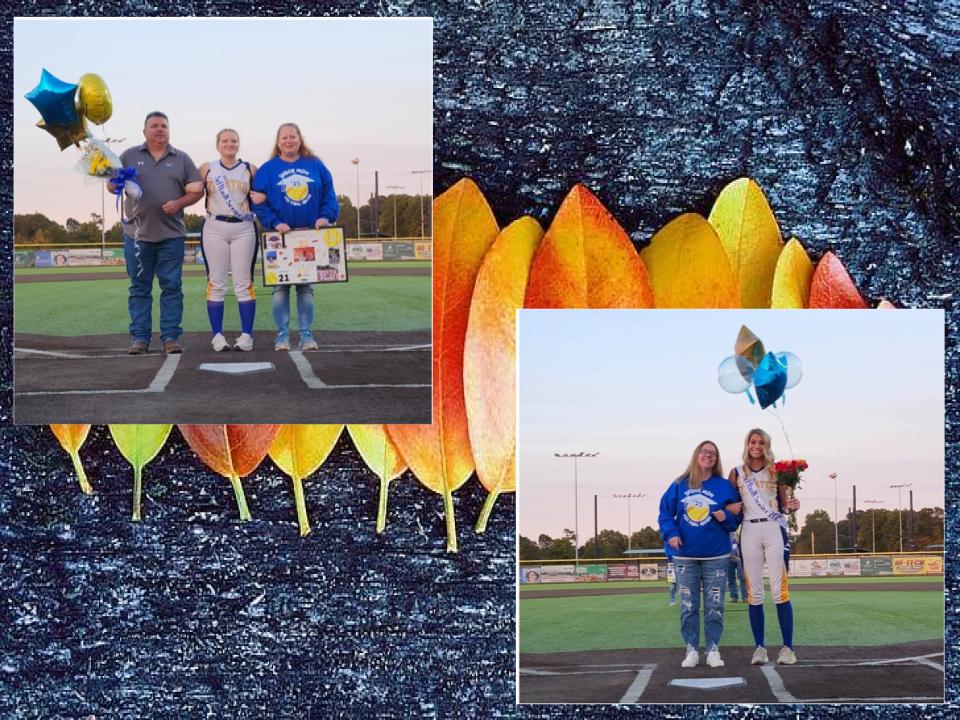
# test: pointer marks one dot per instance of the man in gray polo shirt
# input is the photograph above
(154, 233)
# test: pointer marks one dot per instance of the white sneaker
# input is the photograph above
(309, 345)
(786, 656)
(281, 346)
(219, 342)
(713, 658)
(244, 343)
(759, 656)
(692, 659)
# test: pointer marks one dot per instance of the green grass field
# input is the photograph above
(99, 307)
(199, 268)
(933, 579)
(646, 620)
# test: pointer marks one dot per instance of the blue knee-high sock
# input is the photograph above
(248, 310)
(785, 616)
(215, 313)
(756, 623)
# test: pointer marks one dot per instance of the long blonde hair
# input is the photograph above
(304, 151)
(768, 458)
(693, 475)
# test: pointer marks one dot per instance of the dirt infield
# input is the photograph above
(354, 377)
(659, 588)
(821, 675)
(122, 275)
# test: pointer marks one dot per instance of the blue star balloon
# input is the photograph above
(54, 98)
(769, 380)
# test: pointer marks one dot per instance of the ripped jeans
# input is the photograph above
(709, 576)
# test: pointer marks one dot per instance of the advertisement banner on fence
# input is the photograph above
(851, 566)
(529, 574)
(835, 566)
(44, 258)
(189, 255)
(908, 565)
(24, 258)
(399, 251)
(373, 251)
(356, 251)
(84, 256)
(818, 568)
(626, 571)
(61, 258)
(591, 573)
(671, 574)
(114, 256)
(556, 573)
(424, 251)
(800, 568)
(933, 565)
(648, 571)
(871, 566)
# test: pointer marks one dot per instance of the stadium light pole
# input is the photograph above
(421, 174)
(576, 512)
(394, 187)
(836, 516)
(873, 521)
(629, 496)
(900, 509)
(356, 162)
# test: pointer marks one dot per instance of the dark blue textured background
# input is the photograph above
(845, 113)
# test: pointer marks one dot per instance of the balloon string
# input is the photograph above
(776, 413)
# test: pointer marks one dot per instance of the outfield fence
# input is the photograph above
(77, 255)
(655, 568)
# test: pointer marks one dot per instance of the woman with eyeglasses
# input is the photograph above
(694, 523)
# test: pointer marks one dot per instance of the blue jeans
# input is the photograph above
(673, 586)
(709, 577)
(281, 312)
(163, 260)
(735, 578)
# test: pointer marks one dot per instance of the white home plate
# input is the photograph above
(708, 683)
(237, 368)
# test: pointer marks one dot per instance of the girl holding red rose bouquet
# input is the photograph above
(763, 538)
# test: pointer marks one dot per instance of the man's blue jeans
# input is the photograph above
(281, 312)
(735, 572)
(708, 576)
(163, 260)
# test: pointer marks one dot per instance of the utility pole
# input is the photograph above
(900, 509)
(873, 521)
(836, 516)
(629, 526)
(421, 174)
(356, 162)
(394, 187)
(576, 511)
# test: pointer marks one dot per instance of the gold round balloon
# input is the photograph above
(93, 98)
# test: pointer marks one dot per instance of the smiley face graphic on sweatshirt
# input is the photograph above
(697, 508)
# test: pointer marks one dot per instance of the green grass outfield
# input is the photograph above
(199, 268)
(367, 303)
(933, 579)
(645, 620)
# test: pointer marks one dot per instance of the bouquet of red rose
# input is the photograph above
(788, 475)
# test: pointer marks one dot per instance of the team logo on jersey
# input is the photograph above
(295, 184)
(697, 508)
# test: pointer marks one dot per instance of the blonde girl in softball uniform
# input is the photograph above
(762, 541)
(228, 239)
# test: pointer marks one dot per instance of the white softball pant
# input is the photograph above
(229, 246)
(762, 543)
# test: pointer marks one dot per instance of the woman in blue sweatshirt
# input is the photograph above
(694, 523)
(300, 194)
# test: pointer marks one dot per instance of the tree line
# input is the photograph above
(38, 229)
(816, 535)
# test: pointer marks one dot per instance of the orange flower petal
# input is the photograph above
(832, 286)
(439, 454)
(749, 232)
(586, 260)
(490, 353)
(689, 267)
(791, 279)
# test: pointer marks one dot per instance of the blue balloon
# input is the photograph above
(730, 377)
(794, 368)
(54, 98)
(769, 380)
